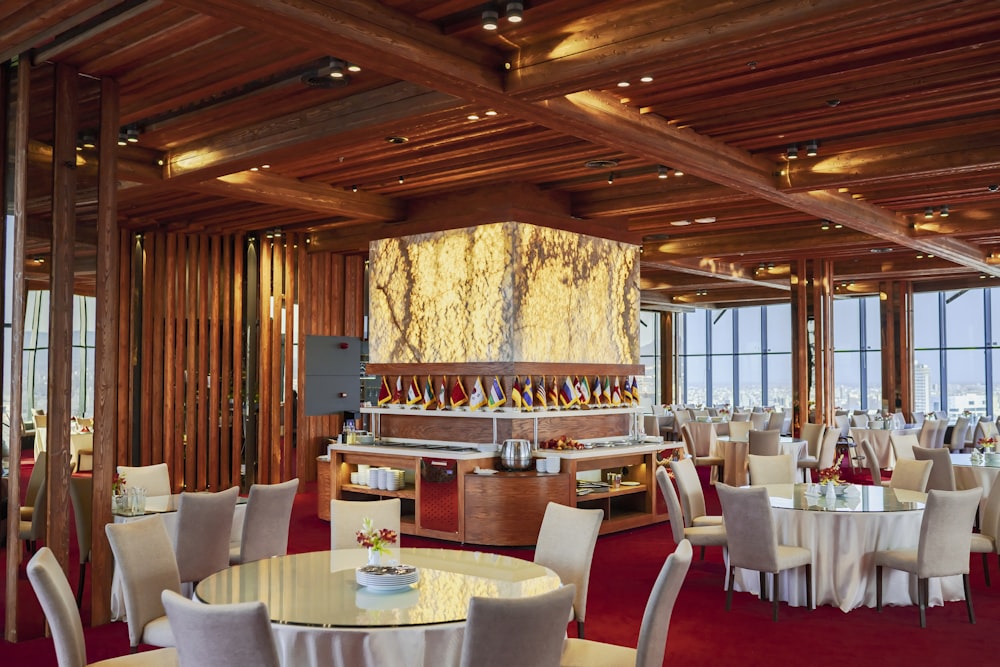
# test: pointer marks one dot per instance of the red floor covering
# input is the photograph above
(701, 632)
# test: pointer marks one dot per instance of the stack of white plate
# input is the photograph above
(387, 578)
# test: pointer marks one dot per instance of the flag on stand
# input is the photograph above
(527, 399)
(477, 398)
(583, 391)
(598, 391)
(443, 393)
(384, 393)
(635, 391)
(627, 393)
(458, 395)
(515, 394)
(607, 391)
(413, 395)
(540, 394)
(495, 398)
(397, 396)
(567, 395)
(553, 395)
(616, 393)
(429, 400)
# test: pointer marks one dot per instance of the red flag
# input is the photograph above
(384, 394)
(458, 395)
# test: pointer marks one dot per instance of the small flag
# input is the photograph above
(567, 395)
(397, 396)
(429, 401)
(458, 395)
(616, 393)
(495, 398)
(635, 391)
(583, 391)
(527, 399)
(413, 395)
(598, 391)
(607, 390)
(553, 395)
(540, 394)
(443, 393)
(384, 393)
(627, 392)
(515, 394)
(477, 398)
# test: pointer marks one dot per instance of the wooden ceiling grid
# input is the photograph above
(917, 123)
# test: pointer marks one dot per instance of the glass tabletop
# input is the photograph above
(164, 504)
(319, 588)
(856, 498)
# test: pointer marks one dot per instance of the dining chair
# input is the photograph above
(653, 629)
(871, 461)
(778, 469)
(987, 540)
(34, 483)
(859, 420)
(775, 421)
(702, 536)
(346, 517)
(813, 435)
(739, 430)
(911, 475)
(827, 452)
(942, 550)
(700, 441)
(942, 431)
(33, 529)
(764, 443)
(692, 497)
(903, 444)
(984, 429)
(565, 545)
(154, 478)
(221, 635)
(145, 559)
(758, 421)
(958, 434)
(734, 466)
(56, 599)
(265, 524)
(204, 523)
(81, 496)
(753, 543)
(942, 472)
(41, 429)
(740, 417)
(500, 632)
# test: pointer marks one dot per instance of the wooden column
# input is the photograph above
(801, 342)
(822, 314)
(668, 381)
(106, 353)
(896, 319)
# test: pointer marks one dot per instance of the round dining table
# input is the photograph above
(320, 615)
(843, 537)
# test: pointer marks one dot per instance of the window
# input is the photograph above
(649, 355)
(857, 356)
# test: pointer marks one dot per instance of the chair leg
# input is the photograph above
(774, 596)
(729, 588)
(878, 588)
(763, 586)
(809, 587)
(579, 629)
(922, 590)
(986, 568)
(968, 598)
(703, 552)
(79, 585)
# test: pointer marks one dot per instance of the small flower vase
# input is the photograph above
(119, 503)
(374, 557)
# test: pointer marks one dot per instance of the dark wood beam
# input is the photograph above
(41, 21)
(98, 25)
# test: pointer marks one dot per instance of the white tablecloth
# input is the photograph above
(968, 476)
(879, 439)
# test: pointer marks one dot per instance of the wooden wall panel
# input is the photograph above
(235, 349)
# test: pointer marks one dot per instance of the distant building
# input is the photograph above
(921, 388)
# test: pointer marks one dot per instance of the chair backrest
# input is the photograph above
(764, 443)
(265, 526)
(699, 413)
(911, 475)
(989, 520)
(538, 623)
(146, 561)
(746, 512)
(942, 473)
(702, 437)
(777, 469)
(984, 430)
(674, 511)
(36, 478)
(734, 466)
(758, 420)
(566, 544)
(81, 495)
(903, 444)
(739, 430)
(843, 424)
(204, 523)
(740, 417)
(221, 635)
(85, 422)
(56, 597)
(945, 531)
(660, 606)
(871, 460)
(346, 517)
(859, 420)
(689, 486)
(35, 528)
(928, 431)
(813, 435)
(154, 478)
(775, 421)
(942, 431)
(828, 448)
(958, 434)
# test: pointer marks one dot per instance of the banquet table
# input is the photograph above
(321, 616)
(879, 439)
(843, 539)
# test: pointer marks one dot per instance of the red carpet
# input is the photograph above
(701, 631)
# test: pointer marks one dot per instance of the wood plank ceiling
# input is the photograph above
(902, 100)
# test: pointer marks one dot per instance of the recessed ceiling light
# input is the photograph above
(879, 250)
(491, 112)
(680, 223)
(646, 78)
(705, 220)
(624, 84)
(473, 116)
(396, 139)
(601, 164)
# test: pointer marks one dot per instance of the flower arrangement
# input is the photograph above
(988, 443)
(377, 540)
(832, 474)
(117, 485)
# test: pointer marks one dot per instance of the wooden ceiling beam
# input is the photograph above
(754, 241)
(38, 22)
(659, 197)
(97, 25)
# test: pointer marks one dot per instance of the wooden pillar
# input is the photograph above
(896, 319)
(801, 342)
(822, 313)
(668, 357)
(105, 353)
(812, 340)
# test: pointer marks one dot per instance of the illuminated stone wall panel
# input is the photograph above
(507, 292)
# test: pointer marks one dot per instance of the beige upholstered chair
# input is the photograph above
(265, 526)
(758, 421)
(204, 523)
(764, 443)
(943, 548)
(987, 540)
(775, 421)
(984, 429)
(942, 473)
(734, 467)
(346, 517)
(691, 495)
(911, 475)
(155, 478)
(145, 559)
(81, 495)
(34, 483)
(827, 451)
(33, 529)
(859, 420)
(871, 461)
(653, 630)
(813, 435)
(702, 536)
(41, 429)
(902, 445)
(221, 635)
(740, 417)
(500, 632)
(753, 544)
(739, 430)
(700, 441)
(779, 469)
(958, 434)
(565, 545)
(56, 598)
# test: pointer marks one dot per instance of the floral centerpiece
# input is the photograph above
(377, 540)
(118, 493)
(988, 444)
(831, 475)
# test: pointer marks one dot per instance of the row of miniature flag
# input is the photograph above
(577, 392)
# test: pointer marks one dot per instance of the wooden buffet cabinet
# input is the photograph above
(443, 497)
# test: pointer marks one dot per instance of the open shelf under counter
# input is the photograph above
(408, 492)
